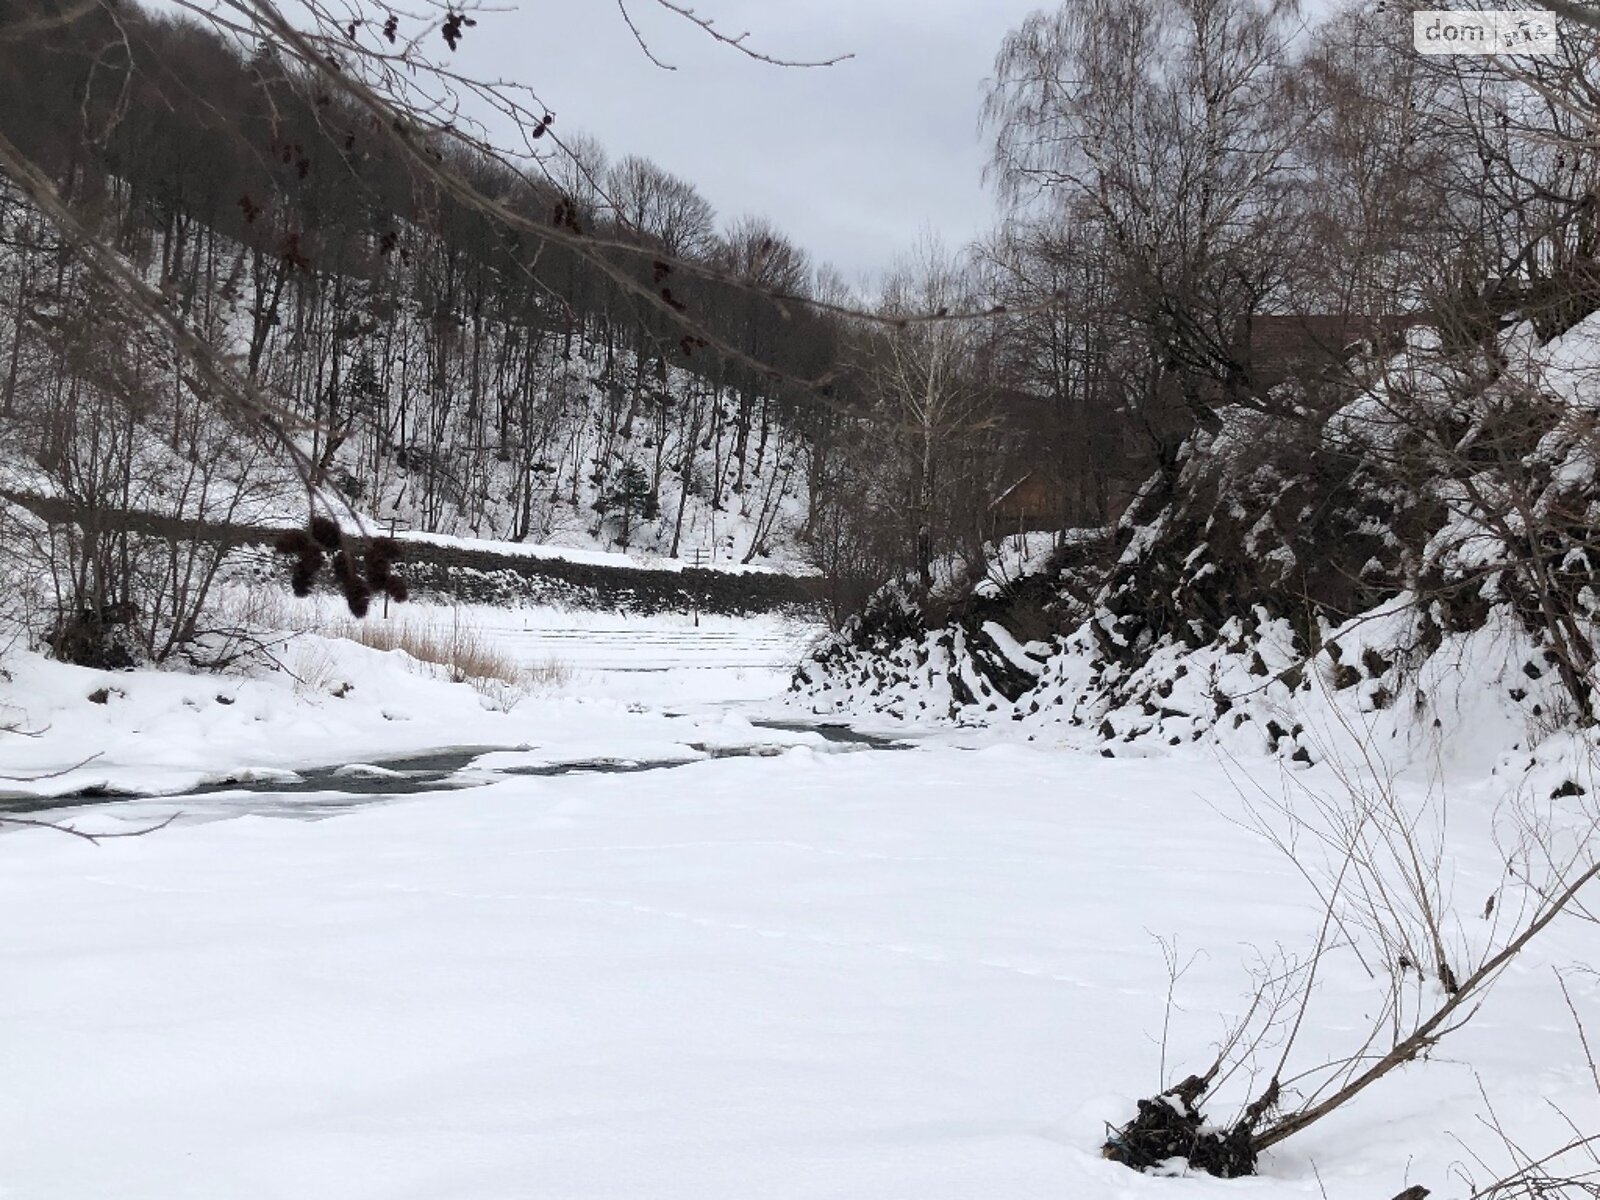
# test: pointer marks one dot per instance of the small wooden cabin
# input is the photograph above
(1032, 502)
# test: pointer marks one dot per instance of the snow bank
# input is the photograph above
(335, 702)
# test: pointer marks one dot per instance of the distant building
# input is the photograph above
(1274, 348)
(1032, 502)
(1266, 351)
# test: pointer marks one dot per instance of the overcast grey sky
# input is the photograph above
(852, 161)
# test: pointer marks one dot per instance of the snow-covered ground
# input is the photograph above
(678, 661)
(815, 972)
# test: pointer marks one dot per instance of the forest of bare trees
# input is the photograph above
(440, 331)
(494, 329)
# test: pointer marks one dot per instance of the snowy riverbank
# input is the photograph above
(805, 973)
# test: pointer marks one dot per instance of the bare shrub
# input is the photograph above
(313, 670)
(1376, 855)
(131, 464)
(1566, 1172)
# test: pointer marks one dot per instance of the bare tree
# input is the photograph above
(1173, 128)
(662, 207)
(927, 385)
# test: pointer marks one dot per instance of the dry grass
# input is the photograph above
(459, 651)
(551, 675)
(449, 649)
(456, 652)
(313, 669)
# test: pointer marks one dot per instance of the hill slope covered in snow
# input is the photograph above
(1412, 567)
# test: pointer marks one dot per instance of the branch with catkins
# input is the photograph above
(357, 580)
